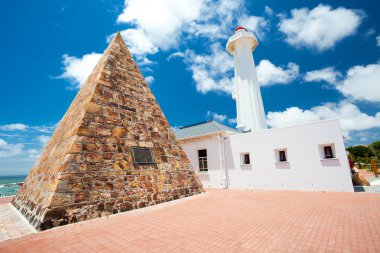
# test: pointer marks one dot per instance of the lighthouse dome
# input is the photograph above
(240, 28)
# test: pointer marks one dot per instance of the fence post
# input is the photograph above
(374, 167)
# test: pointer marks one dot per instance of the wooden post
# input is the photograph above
(374, 167)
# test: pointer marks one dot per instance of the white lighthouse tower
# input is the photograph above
(249, 104)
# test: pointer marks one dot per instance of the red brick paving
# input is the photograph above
(4, 200)
(367, 173)
(226, 221)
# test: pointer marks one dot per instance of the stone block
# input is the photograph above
(93, 108)
(120, 165)
(119, 132)
(81, 197)
(103, 131)
(86, 131)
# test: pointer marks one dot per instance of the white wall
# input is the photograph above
(213, 178)
(305, 170)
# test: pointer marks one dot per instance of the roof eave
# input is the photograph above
(206, 135)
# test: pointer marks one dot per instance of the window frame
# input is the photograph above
(282, 157)
(278, 156)
(322, 151)
(202, 161)
(331, 152)
(243, 160)
(247, 161)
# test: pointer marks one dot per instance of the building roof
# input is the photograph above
(202, 128)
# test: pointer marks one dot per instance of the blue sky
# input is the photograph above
(315, 60)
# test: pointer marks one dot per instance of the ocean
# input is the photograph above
(9, 185)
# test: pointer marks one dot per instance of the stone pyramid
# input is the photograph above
(113, 151)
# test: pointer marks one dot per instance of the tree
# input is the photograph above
(375, 148)
(359, 152)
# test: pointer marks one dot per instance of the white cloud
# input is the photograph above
(161, 21)
(211, 31)
(206, 82)
(321, 27)
(210, 71)
(8, 149)
(291, 116)
(215, 17)
(13, 127)
(328, 75)
(78, 69)
(269, 74)
(138, 42)
(378, 41)
(370, 32)
(43, 139)
(350, 116)
(44, 128)
(33, 153)
(232, 121)
(268, 11)
(161, 24)
(362, 83)
(175, 55)
(149, 79)
(257, 25)
(220, 117)
(217, 117)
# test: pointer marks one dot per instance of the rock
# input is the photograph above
(75, 187)
(94, 108)
(109, 148)
(359, 180)
(81, 197)
(109, 186)
(94, 157)
(60, 200)
(126, 207)
(83, 167)
(89, 147)
(120, 165)
(75, 147)
(103, 131)
(119, 186)
(85, 131)
(119, 132)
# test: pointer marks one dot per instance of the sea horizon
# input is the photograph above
(3, 176)
(10, 184)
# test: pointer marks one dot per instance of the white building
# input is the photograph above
(309, 157)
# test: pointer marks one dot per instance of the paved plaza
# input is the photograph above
(225, 221)
(12, 224)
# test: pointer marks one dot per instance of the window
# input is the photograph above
(328, 152)
(246, 159)
(202, 159)
(281, 155)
